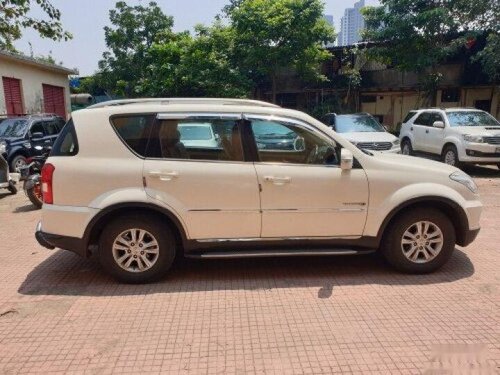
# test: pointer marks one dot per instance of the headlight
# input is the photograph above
(473, 138)
(3, 147)
(465, 180)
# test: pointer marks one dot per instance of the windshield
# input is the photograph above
(195, 133)
(471, 118)
(357, 123)
(13, 128)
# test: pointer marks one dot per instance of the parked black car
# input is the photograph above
(20, 134)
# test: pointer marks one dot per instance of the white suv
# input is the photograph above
(457, 135)
(122, 186)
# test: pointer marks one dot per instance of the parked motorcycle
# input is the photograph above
(31, 174)
(6, 180)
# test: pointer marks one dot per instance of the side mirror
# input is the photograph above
(438, 124)
(346, 159)
(36, 136)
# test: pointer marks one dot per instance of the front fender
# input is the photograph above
(379, 214)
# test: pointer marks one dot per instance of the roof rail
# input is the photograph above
(167, 101)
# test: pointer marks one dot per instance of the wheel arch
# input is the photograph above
(96, 225)
(451, 209)
(450, 142)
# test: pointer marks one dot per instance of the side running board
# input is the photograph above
(231, 254)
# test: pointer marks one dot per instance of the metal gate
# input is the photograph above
(53, 99)
(13, 96)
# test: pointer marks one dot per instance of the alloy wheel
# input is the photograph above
(450, 158)
(422, 242)
(135, 250)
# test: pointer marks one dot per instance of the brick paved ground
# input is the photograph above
(319, 315)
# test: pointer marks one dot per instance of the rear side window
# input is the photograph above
(409, 116)
(424, 119)
(66, 143)
(134, 130)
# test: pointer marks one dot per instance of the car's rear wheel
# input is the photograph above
(17, 162)
(450, 156)
(419, 241)
(137, 250)
(406, 147)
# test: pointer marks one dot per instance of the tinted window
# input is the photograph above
(409, 116)
(37, 127)
(471, 118)
(51, 127)
(134, 130)
(357, 123)
(288, 143)
(207, 139)
(13, 128)
(424, 119)
(435, 117)
(66, 143)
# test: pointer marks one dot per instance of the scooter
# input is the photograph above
(31, 174)
(6, 179)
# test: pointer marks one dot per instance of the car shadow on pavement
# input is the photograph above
(64, 273)
(482, 171)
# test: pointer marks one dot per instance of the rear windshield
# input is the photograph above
(66, 143)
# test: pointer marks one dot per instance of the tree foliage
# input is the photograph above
(15, 15)
(271, 36)
(230, 58)
(417, 35)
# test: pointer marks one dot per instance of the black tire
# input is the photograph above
(392, 247)
(16, 160)
(166, 246)
(498, 166)
(37, 201)
(406, 143)
(12, 188)
(451, 150)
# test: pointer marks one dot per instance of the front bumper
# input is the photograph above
(480, 153)
(51, 241)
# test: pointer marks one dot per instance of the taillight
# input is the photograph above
(47, 191)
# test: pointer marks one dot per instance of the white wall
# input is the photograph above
(32, 79)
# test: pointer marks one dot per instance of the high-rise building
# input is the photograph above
(351, 25)
(329, 18)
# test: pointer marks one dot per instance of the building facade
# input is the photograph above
(351, 25)
(29, 86)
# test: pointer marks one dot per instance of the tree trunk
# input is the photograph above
(273, 78)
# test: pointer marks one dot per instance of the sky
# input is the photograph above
(85, 19)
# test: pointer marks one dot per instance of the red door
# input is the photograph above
(53, 99)
(13, 97)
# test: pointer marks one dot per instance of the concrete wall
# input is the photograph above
(32, 79)
(394, 106)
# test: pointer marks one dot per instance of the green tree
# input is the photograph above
(127, 65)
(417, 35)
(272, 36)
(209, 68)
(16, 15)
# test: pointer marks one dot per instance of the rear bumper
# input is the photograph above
(51, 241)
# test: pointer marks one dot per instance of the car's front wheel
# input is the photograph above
(419, 241)
(137, 250)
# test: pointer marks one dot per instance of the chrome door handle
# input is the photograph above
(278, 180)
(164, 176)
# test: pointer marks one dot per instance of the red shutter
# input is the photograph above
(53, 99)
(13, 97)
